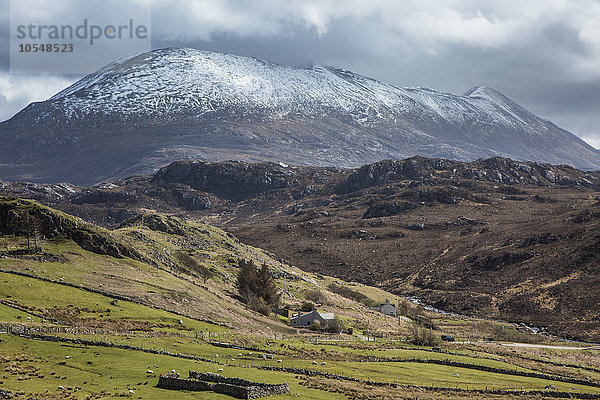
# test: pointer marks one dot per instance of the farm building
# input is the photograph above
(386, 308)
(309, 318)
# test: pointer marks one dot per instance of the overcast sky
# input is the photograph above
(544, 54)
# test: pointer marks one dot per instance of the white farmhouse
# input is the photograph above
(386, 308)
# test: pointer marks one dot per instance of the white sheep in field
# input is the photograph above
(173, 371)
(149, 371)
(315, 363)
(323, 363)
(220, 370)
(240, 355)
(279, 361)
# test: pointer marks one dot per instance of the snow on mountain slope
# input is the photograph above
(139, 113)
(171, 80)
(185, 79)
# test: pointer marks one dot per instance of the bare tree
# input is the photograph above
(27, 218)
(33, 230)
(36, 233)
(423, 336)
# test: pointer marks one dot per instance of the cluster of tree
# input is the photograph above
(423, 335)
(33, 229)
(256, 287)
(335, 326)
(192, 265)
(409, 309)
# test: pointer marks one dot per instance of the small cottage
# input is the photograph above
(309, 318)
(386, 308)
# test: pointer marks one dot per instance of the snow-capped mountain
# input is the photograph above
(142, 112)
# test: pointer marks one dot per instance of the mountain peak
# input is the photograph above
(140, 113)
(482, 91)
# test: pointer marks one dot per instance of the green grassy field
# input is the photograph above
(36, 367)
(39, 367)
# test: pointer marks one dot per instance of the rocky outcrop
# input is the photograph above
(166, 224)
(95, 196)
(496, 170)
(192, 200)
(19, 216)
(490, 263)
(388, 208)
(543, 239)
(234, 180)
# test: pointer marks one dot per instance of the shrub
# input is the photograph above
(315, 325)
(315, 296)
(336, 326)
(307, 306)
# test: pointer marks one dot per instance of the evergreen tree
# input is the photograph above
(257, 288)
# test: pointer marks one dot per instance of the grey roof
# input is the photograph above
(328, 315)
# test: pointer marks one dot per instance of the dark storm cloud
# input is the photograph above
(544, 54)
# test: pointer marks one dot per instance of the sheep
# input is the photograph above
(279, 361)
(149, 371)
(323, 363)
(220, 370)
(315, 363)
(173, 371)
(131, 391)
(28, 318)
(67, 357)
(239, 355)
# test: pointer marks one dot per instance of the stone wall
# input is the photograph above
(234, 387)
